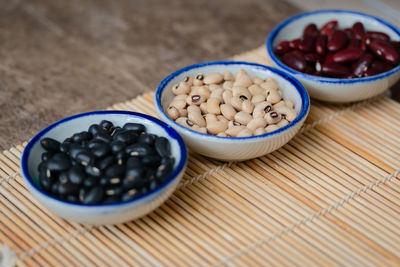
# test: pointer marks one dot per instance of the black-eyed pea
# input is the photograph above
(280, 93)
(182, 88)
(185, 122)
(246, 132)
(242, 79)
(261, 108)
(234, 130)
(213, 78)
(269, 84)
(257, 80)
(279, 104)
(259, 131)
(287, 113)
(257, 123)
(243, 117)
(198, 79)
(189, 80)
(282, 123)
(233, 123)
(183, 112)
(214, 87)
(227, 96)
(241, 92)
(179, 102)
(272, 117)
(223, 119)
(289, 103)
(222, 134)
(200, 90)
(173, 113)
(258, 99)
(194, 114)
(247, 106)
(216, 127)
(256, 90)
(203, 107)
(213, 106)
(201, 130)
(271, 128)
(195, 99)
(228, 76)
(227, 85)
(236, 102)
(217, 93)
(274, 96)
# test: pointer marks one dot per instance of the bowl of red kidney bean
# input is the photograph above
(104, 167)
(338, 55)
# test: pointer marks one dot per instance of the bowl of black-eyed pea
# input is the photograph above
(104, 167)
(232, 110)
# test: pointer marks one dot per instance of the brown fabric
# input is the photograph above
(59, 58)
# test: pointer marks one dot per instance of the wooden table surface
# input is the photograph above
(58, 58)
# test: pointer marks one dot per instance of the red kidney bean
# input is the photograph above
(358, 30)
(354, 43)
(362, 65)
(329, 57)
(379, 35)
(307, 44)
(385, 51)
(294, 44)
(282, 48)
(349, 32)
(376, 68)
(320, 44)
(335, 69)
(329, 28)
(311, 57)
(310, 30)
(396, 45)
(338, 41)
(294, 61)
(347, 55)
(309, 70)
(298, 52)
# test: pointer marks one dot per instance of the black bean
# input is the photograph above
(134, 127)
(128, 137)
(132, 193)
(153, 185)
(75, 149)
(147, 138)
(60, 156)
(63, 177)
(46, 156)
(114, 171)
(139, 149)
(72, 198)
(100, 150)
(143, 191)
(107, 125)
(85, 158)
(116, 130)
(50, 144)
(164, 170)
(104, 163)
(111, 199)
(45, 182)
(68, 189)
(134, 178)
(91, 181)
(93, 171)
(82, 136)
(103, 137)
(64, 147)
(133, 162)
(54, 188)
(76, 175)
(82, 193)
(95, 129)
(162, 146)
(94, 142)
(41, 166)
(117, 146)
(58, 165)
(93, 196)
(114, 191)
(121, 157)
(151, 160)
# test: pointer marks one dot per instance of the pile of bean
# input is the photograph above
(227, 105)
(105, 164)
(349, 53)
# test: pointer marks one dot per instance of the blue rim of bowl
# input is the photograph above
(271, 37)
(172, 133)
(305, 99)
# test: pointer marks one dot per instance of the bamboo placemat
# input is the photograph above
(329, 197)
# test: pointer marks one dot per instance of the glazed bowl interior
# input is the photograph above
(112, 212)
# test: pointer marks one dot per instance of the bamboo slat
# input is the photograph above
(330, 197)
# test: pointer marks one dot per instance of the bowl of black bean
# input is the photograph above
(104, 167)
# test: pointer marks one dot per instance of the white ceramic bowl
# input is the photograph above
(235, 148)
(103, 213)
(331, 89)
